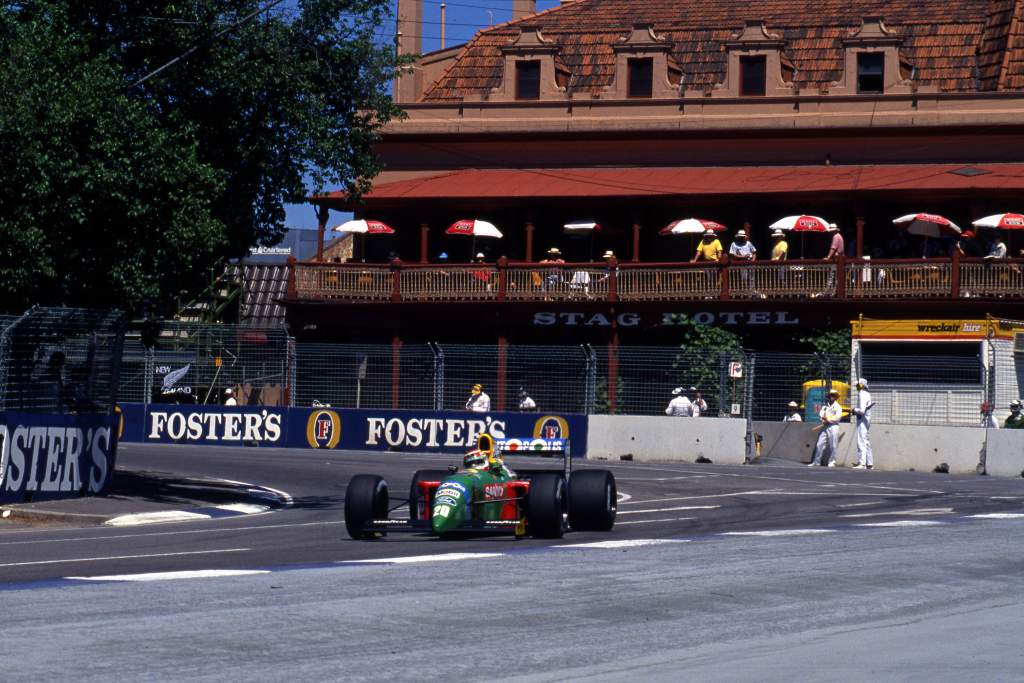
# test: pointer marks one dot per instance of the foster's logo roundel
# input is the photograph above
(551, 427)
(323, 430)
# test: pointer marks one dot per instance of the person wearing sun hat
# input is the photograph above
(828, 439)
(478, 401)
(709, 248)
(865, 458)
(679, 406)
(780, 249)
(742, 249)
(794, 413)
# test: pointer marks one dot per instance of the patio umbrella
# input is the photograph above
(801, 223)
(691, 227)
(928, 224)
(361, 226)
(1001, 221)
(473, 228)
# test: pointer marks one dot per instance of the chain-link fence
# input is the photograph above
(61, 360)
(196, 363)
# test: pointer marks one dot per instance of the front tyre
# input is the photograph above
(545, 504)
(366, 499)
(593, 500)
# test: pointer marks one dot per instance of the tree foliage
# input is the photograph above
(113, 194)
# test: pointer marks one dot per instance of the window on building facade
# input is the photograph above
(528, 80)
(870, 72)
(641, 77)
(752, 75)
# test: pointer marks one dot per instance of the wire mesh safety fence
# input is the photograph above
(61, 360)
(194, 363)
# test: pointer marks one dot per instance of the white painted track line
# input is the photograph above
(125, 557)
(688, 507)
(921, 512)
(171, 576)
(614, 545)
(652, 521)
(161, 517)
(417, 559)
(779, 532)
(903, 522)
(998, 515)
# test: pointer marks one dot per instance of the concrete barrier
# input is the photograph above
(896, 447)
(1005, 453)
(678, 439)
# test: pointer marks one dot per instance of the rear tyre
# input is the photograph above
(366, 499)
(545, 504)
(593, 500)
(419, 506)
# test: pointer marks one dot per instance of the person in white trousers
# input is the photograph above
(863, 413)
(831, 413)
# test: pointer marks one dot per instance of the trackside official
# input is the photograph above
(1015, 420)
(865, 460)
(478, 401)
(679, 406)
(831, 413)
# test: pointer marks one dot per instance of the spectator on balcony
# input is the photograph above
(742, 249)
(478, 401)
(780, 249)
(554, 276)
(967, 245)
(709, 248)
(996, 247)
(679, 406)
(794, 413)
(837, 246)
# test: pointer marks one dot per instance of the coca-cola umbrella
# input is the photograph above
(928, 225)
(474, 228)
(1001, 221)
(691, 227)
(801, 223)
(361, 226)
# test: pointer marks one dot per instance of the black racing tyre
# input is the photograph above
(416, 498)
(593, 500)
(545, 504)
(366, 499)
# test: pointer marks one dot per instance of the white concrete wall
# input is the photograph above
(680, 439)
(1005, 453)
(895, 447)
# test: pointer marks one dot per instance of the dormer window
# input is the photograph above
(752, 75)
(528, 79)
(641, 77)
(870, 73)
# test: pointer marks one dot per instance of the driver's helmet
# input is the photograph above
(475, 460)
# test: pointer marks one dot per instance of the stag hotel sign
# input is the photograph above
(628, 319)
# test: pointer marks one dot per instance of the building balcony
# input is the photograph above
(954, 279)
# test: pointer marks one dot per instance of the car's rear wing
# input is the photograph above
(538, 447)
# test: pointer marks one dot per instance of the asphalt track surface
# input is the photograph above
(711, 573)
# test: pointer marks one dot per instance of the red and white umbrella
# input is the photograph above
(365, 227)
(690, 226)
(473, 228)
(581, 227)
(928, 225)
(801, 223)
(1005, 221)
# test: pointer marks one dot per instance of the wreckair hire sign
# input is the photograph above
(55, 456)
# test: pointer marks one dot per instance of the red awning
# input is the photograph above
(531, 183)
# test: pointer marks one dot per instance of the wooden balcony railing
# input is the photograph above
(501, 282)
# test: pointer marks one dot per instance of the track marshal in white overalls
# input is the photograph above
(865, 459)
(831, 413)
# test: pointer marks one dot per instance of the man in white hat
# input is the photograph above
(828, 439)
(837, 246)
(780, 249)
(865, 460)
(794, 413)
(742, 249)
(229, 397)
(708, 249)
(679, 406)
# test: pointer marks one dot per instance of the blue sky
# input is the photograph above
(463, 19)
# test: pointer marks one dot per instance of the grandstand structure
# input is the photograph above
(632, 114)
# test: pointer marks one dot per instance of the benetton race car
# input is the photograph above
(485, 496)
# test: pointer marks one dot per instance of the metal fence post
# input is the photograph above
(749, 362)
(438, 375)
(590, 390)
(293, 374)
(149, 369)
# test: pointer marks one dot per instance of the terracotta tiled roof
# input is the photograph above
(953, 45)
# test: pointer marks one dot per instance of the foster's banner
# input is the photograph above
(339, 428)
(55, 456)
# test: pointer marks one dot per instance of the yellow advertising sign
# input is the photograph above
(936, 330)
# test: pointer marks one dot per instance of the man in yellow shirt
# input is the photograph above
(709, 248)
(780, 250)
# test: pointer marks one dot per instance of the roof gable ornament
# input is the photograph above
(530, 40)
(873, 36)
(643, 43)
(754, 40)
(531, 46)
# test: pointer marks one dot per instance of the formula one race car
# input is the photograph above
(485, 496)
